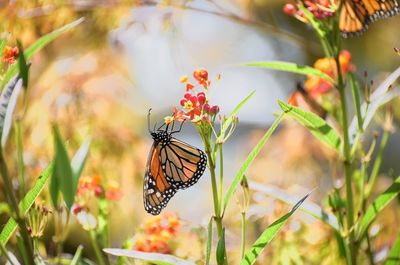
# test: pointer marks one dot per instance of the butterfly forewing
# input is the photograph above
(356, 15)
(157, 191)
(182, 163)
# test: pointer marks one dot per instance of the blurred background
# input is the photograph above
(128, 56)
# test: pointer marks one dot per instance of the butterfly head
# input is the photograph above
(161, 136)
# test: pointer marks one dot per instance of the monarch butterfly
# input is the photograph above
(172, 165)
(356, 15)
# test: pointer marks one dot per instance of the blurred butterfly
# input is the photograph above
(301, 98)
(356, 15)
(172, 165)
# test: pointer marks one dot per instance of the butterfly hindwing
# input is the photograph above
(182, 163)
(157, 191)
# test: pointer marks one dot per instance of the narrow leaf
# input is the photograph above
(249, 160)
(394, 255)
(228, 121)
(37, 46)
(308, 207)
(26, 203)
(268, 235)
(23, 66)
(8, 120)
(377, 206)
(383, 94)
(355, 90)
(78, 255)
(317, 126)
(62, 169)
(5, 98)
(78, 163)
(209, 241)
(155, 258)
(292, 68)
(221, 252)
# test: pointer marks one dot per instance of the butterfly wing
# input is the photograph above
(356, 15)
(182, 163)
(156, 189)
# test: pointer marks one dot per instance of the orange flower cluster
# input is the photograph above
(194, 105)
(158, 232)
(10, 54)
(94, 185)
(316, 86)
(319, 8)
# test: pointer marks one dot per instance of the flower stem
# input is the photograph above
(347, 164)
(221, 175)
(20, 158)
(14, 206)
(96, 248)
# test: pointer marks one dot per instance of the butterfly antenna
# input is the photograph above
(148, 120)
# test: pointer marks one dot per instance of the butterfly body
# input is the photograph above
(172, 165)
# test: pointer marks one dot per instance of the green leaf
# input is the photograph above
(37, 46)
(292, 68)
(209, 241)
(78, 163)
(308, 207)
(394, 255)
(26, 203)
(377, 206)
(8, 102)
(23, 66)
(54, 191)
(78, 255)
(355, 90)
(268, 234)
(221, 252)
(316, 125)
(228, 121)
(154, 258)
(62, 170)
(249, 160)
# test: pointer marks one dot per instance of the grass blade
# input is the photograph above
(377, 206)
(154, 258)
(316, 125)
(292, 68)
(62, 170)
(249, 160)
(268, 235)
(394, 255)
(26, 203)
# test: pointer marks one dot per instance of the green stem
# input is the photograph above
(243, 245)
(96, 248)
(221, 175)
(14, 206)
(20, 158)
(5, 253)
(377, 164)
(347, 164)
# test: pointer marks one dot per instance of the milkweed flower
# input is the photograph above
(113, 190)
(321, 9)
(10, 54)
(317, 86)
(158, 233)
(86, 220)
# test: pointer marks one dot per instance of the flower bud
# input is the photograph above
(289, 9)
